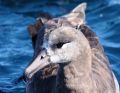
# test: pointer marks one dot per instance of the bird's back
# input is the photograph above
(103, 79)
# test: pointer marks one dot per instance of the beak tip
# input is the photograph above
(27, 74)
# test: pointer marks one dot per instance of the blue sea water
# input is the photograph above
(16, 51)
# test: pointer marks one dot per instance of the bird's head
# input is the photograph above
(63, 44)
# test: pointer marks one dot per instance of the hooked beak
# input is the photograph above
(40, 62)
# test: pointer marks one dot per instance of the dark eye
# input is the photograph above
(59, 45)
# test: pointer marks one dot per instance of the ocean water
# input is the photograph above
(103, 16)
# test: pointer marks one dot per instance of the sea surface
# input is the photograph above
(103, 16)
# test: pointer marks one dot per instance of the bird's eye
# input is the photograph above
(59, 45)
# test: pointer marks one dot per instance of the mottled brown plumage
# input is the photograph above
(100, 63)
(89, 72)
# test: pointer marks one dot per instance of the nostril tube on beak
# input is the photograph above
(42, 57)
(43, 53)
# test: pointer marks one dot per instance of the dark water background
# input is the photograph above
(15, 44)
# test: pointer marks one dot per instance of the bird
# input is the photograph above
(68, 57)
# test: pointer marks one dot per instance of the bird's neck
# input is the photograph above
(75, 78)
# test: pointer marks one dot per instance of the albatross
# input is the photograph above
(68, 57)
